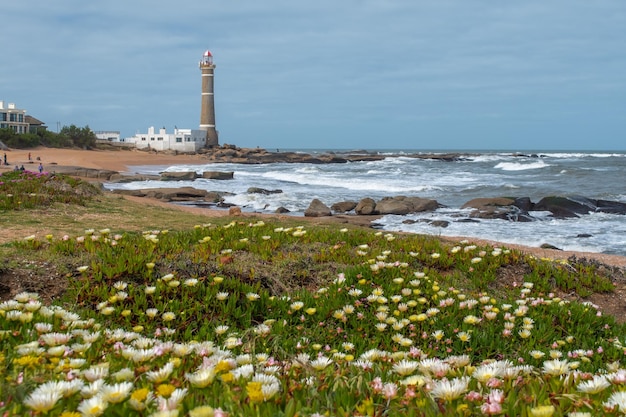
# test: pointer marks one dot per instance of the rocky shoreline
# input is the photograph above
(511, 208)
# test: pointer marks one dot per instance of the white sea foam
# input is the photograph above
(451, 183)
(520, 166)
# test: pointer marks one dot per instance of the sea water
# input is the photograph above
(596, 175)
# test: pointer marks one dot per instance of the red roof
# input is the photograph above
(207, 53)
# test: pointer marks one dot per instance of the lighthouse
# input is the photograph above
(207, 107)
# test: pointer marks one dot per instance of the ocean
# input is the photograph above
(596, 175)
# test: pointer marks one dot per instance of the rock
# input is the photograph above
(317, 209)
(343, 206)
(583, 235)
(179, 176)
(440, 223)
(121, 178)
(103, 174)
(366, 207)
(479, 203)
(402, 205)
(524, 204)
(217, 175)
(175, 194)
(281, 210)
(566, 207)
(499, 208)
(549, 246)
(234, 211)
(257, 190)
(613, 207)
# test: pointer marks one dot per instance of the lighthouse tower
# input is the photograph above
(207, 108)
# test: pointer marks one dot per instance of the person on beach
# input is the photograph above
(40, 168)
(5, 159)
(29, 158)
(22, 168)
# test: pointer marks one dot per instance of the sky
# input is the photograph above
(332, 74)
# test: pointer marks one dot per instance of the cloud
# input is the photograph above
(360, 66)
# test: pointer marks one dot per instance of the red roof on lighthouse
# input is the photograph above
(207, 53)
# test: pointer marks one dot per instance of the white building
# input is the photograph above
(109, 135)
(13, 118)
(182, 140)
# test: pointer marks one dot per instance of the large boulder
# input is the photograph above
(614, 207)
(366, 207)
(124, 178)
(217, 175)
(343, 206)
(404, 205)
(176, 194)
(566, 207)
(257, 190)
(505, 208)
(573, 206)
(102, 174)
(179, 176)
(317, 209)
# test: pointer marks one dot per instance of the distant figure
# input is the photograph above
(29, 158)
(40, 168)
(22, 168)
(16, 168)
(5, 159)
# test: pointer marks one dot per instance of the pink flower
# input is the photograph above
(473, 396)
(496, 396)
(390, 390)
(491, 409)
(377, 384)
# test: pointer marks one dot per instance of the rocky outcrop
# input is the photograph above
(343, 206)
(179, 176)
(233, 154)
(257, 190)
(101, 174)
(366, 207)
(317, 209)
(402, 205)
(123, 178)
(505, 208)
(177, 194)
(574, 206)
(217, 175)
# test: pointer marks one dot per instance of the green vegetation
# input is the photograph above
(69, 136)
(247, 317)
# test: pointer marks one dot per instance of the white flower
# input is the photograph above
(116, 393)
(597, 384)
(161, 375)
(405, 367)
(42, 401)
(449, 390)
(92, 407)
(320, 363)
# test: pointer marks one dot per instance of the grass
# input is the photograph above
(174, 315)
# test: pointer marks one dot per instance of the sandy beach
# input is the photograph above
(114, 160)
(121, 160)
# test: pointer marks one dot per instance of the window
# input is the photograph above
(12, 117)
(143, 138)
(179, 140)
(160, 138)
(3, 117)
